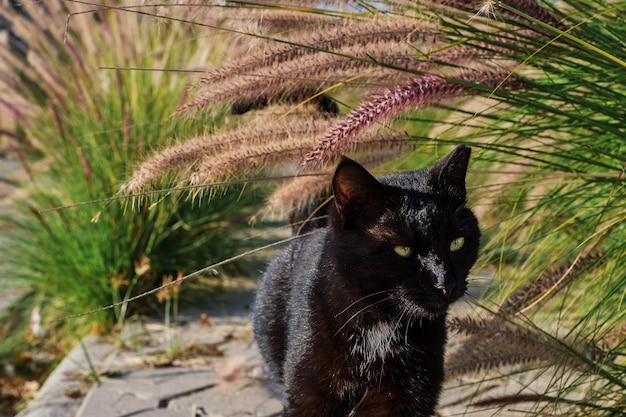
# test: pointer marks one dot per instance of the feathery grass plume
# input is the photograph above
(427, 90)
(319, 58)
(187, 159)
(255, 19)
(489, 8)
(374, 147)
(299, 192)
(546, 284)
(294, 96)
(224, 155)
(328, 37)
(285, 146)
(493, 344)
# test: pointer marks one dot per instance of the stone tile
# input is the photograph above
(244, 397)
(144, 389)
(52, 401)
(165, 383)
(212, 386)
(109, 399)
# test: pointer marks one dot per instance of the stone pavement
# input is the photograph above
(208, 366)
(217, 372)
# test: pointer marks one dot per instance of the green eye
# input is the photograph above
(457, 244)
(403, 251)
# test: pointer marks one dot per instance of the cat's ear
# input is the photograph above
(449, 173)
(355, 189)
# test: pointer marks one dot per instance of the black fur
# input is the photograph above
(324, 103)
(349, 326)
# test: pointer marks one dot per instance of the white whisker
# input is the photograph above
(361, 299)
(357, 313)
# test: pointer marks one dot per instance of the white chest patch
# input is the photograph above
(375, 343)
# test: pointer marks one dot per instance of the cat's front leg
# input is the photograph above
(315, 407)
(392, 403)
(309, 398)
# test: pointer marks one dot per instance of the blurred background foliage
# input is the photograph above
(76, 116)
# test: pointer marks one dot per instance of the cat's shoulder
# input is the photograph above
(299, 255)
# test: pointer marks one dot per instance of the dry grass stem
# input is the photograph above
(495, 344)
(547, 284)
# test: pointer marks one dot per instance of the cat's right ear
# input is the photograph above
(356, 191)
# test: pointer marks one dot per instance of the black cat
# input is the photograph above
(351, 317)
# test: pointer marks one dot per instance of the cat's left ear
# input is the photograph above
(449, 173)
(356, 191)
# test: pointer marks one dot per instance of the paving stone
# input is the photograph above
(207, 386)
(105, 400)
(244, 397)
(52, 399)
(108, 400)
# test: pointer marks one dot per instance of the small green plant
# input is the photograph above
(168, 295)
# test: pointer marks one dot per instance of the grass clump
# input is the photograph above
(78, 131)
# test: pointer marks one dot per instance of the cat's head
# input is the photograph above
(407, 235)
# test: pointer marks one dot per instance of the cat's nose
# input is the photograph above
(442, 276)
(447, 284)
